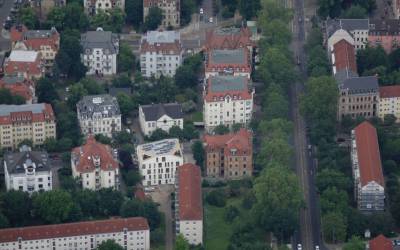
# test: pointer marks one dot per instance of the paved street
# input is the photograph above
(4, 12)
(309, 235)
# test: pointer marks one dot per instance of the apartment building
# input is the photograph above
(160, 116)
(99, 52)
(25, 63)
(18, 85)
(358, 96)
(99, 114)
(229, 38)
(229, 156)
(43, 7)
(35, 122)
(369, 184)
(380, 243)
(160, 53)
(227, 100)
(171, 11)
(343, 57)
(389, 101)
(158, 161)
(47, 42)
(385, 33)
(357, 28)
(95, 165)
(130, 233)
(188, 203)
(92, 7)
(235, 62)
(28, 171)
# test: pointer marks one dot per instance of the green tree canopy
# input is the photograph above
(126, 59)
(55, 206)
(16, 207)
(181, 243)
(198, 153)
(334, 226)
(134, 12)
(6, 97)
(153, 19)
(109, 245)
(28, 17)
(355, 12)
(355, 243)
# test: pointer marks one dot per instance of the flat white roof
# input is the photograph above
(23, 55)
(157, 148)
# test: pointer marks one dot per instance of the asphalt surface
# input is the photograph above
(4, 12)
(308, 235)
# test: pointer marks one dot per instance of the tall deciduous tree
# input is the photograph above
(355, 243)
(134, 12)
(28, 17)
(16, 207)
(126, 59)
(53, 206)
(109, 245)
(153, 19)
(334, 227)
(198, 153)
(181, 243)
(46, 91)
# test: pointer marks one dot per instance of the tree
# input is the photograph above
(88, 201)
(329, 8)
(109, 20)
(334, 200)
(125, 103)
(134, 12)
(103, 139)
(50, 144)
(231, 212)
(147, 209)
(188, 7)
(132, 177)
(55, 206)
(249, 8)
(276, 105)
(221, 129)
(109, 245)
(153, 19)
(176, 132)
(331, 178)
(123, 137)
(157, 135)
(122, 80)
(371, 58)
(198, 153)
(181, 243)
(355, 243)
(28, 17)
(16, 207)
(55, 18)
(216, 198)
(76, 93)
(334, 227)
(110, 201)
(3, 221)
(74, 17)
(189, 131)
(6, 97)
(274, 150)
(278, 201)
(46, 91)
(355, 12)
(126, 59)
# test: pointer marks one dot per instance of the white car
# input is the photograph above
(211, 20)
(299, 247)
(316, 247)
(201, 11)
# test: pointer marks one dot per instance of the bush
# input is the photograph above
(248, 201)
(231, 213)
(216, 198)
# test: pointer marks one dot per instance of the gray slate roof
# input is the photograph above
(168, 36)
(225, 56)
(228, 83)
(359, 85)
(344, 74)
(104, 104)
(100, 40)
(12, 79)
(115, 91)
(15, 161)
(391, 26)
(332, 25)
(5, 110)
(39, 33)
(153, 112)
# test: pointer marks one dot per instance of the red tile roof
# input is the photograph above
(190, 197)
(380, 243)
(241, 141)
(369, 159)
(228, 40)
(90, 151)
(46, 114)
(345, 57)
(215, 96)
(35, 42)
(31, 69)
(163, 48)
(212, 66)
(139, 194)
(389, 91)
(73, 229)
(22, 87)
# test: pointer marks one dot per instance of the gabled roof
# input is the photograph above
(343, 74)
(189, 197)
(218, 87)
(84, 156)
(384, 27)
(29, 112)
(389, 91)
(369, 159)
(15, 162)
(363, 84)
(153, 112)
(333, 25)
(380, 243)
(225, 56)
(228, 38)
(73, 229)
(345, 57)
(240, 141)
(100, 39)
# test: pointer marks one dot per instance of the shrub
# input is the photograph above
(216, 198)
(231, 213)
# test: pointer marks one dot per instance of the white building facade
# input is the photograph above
(389, 101)
(99, 52)
(28, 171)
(357, 28)
(99, 114)
(227, 100)
(95, 165)
(160, 53)
(130, 233)
(170, 8)
(93, 7)
(158, 161)
(160, 116)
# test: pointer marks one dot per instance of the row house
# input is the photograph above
(43, 7)
(369, 184)
(236, 62)
(35, 122)
(385, 33)
(25, 63)
(99, 52)
(28, 171)
(227, 100)
(160, 116)
(389, 101)
(160, 53)
(130, 233)
(92, 7)
(229, 156)
(18, 85)
(95, 165)
(188, 203)
(171, 11)
(158, 161)
(229, 38)
(99, 114)
(353, 30)
(47, 42)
